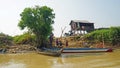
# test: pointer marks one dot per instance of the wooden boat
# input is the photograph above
(59, 51)
(50, 51)
(86, 50)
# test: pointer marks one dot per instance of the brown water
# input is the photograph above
(34, 60)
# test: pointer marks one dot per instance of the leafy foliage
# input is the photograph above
(38, 20)
(111, 35)
(25, 38)
(114, 35)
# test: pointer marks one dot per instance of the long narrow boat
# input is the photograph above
(50, 51)
(86, 50)
(59, 51)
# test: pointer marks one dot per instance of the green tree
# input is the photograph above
(39, 21)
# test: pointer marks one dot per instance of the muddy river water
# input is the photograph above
(34, 60)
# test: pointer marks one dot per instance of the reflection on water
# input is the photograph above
(12, 65)
(34, 60)
(67, 55)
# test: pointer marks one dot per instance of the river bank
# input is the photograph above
(73, 42)
(31, 49)
(18, 49)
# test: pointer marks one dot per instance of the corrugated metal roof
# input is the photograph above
(82, 21)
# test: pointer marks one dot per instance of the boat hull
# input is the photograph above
(85, 50)
(51, 51)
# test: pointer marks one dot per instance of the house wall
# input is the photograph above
(87, 26)
(79, 26)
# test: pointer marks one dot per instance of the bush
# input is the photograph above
(111, 35)
(5, 39)
(26, 38)
(114, 35)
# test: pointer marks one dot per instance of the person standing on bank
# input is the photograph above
(57, 42)
(66, 43)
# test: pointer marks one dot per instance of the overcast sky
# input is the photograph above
(104, 13)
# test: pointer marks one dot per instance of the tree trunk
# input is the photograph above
(40, 41)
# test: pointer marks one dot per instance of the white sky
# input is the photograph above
(104, 13)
